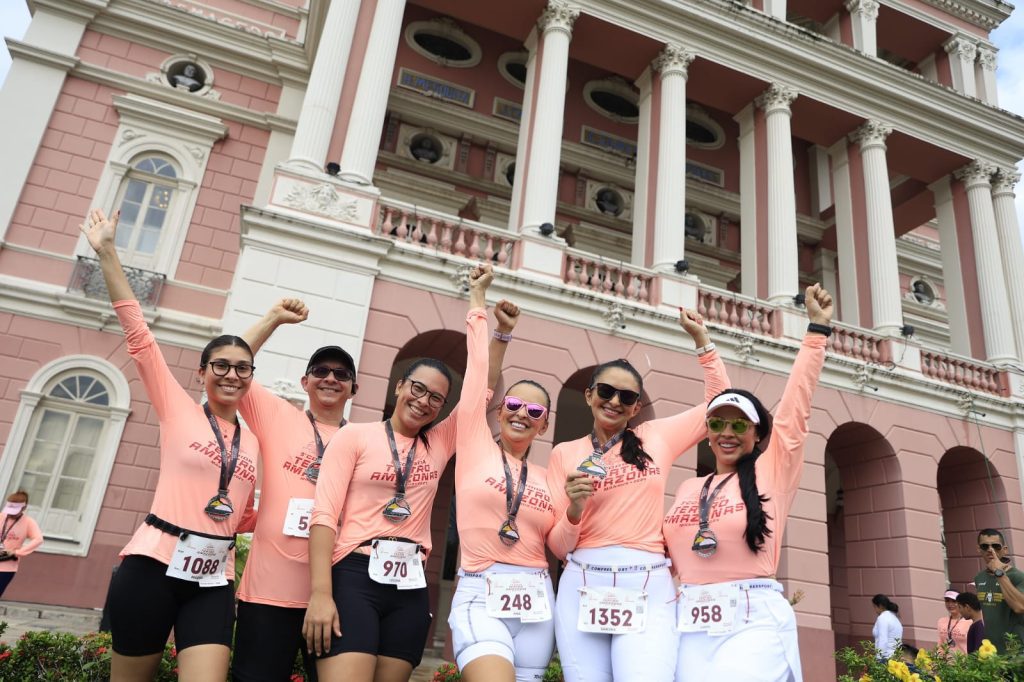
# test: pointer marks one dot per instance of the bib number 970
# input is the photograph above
(396, 569)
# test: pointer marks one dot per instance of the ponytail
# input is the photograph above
(633, 450)
(882, 601)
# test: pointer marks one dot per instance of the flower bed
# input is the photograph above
(985, 665)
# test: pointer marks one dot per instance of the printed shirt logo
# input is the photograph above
(245, 470)
(422, 474)
(687, 513)
(620, 473)
(533, 497)
(302, 461)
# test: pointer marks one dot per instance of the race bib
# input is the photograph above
(398, 564)
(296, 521)
(518, 595)
(612, 610)
(200, 560)
(710, 609)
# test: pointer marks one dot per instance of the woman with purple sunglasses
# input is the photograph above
(501, 616)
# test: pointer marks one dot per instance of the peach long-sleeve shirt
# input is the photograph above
(23, 537)
(189, 454)
(778, 477)
(357, 479)
(627, 506)
(277, 571)
(480, 479)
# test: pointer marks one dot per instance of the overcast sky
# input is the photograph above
(1009, 37)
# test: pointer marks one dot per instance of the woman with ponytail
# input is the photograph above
(724, 531)
(888, 630)
(614, 613)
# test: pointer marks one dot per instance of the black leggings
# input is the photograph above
(267, 638)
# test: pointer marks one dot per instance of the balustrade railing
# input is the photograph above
(443, 234)
(963, 372)
(859, 343)
(87, 279)
(732, 310)
(605, 277)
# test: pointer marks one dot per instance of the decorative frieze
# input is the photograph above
(435, 87)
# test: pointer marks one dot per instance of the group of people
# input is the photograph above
(342, 532)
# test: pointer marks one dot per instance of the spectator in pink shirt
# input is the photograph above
(19, 537)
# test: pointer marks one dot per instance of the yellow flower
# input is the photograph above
(923, 660)
(865, 678)
(986, 649)
(914, 677)
(938, 679)
(899, 670)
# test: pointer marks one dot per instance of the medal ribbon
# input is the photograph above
(512, 506)
(7, 529)
(600, 450)
(320, 446)
(227, 468)
(400, 475)
(706, 501)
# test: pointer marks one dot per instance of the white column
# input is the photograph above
(995, 304)
(846, 245)
(886, 303)
(962, 51)
(775, 8)
(1011, 248)
(670, 198)
(320, 104)
(642, 175)
(748, 202)
(952, 272)
(518, 182)
(985, 74)
(863, 17)
(541, 192)
(362, 138)
(783, 273)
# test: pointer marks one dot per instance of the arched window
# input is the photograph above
(62, 446)
(145, 201)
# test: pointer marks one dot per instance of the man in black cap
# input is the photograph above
(275, 587)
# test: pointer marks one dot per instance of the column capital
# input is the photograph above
(558, 16)
(987, 57)
(868, 9)
(673, 59)
(961, 46)
(1004, 181)
(975, 173)
(871, 134)
(777, 97)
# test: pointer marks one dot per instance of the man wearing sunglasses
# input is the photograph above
(1000, 590)
(275, 587)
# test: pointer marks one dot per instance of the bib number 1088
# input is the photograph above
(199, 566)
(704, 614)
(613, 617)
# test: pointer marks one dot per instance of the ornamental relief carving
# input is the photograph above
(868, 9)
(776, 97)
(322, 200)
(1005, 180)
(975, 173)
(986, 58)
(673, 58)
(871, 133)
(558, 15)
(962, 48)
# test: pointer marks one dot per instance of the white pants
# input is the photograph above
(648, 656)
(527, 646)
(761, 648)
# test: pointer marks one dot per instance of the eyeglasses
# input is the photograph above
(533, 410)
(321, 372)
(607, 392)
(739, 426)
(418, 390)
(243, 370)
(984, 546)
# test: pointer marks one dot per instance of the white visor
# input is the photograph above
(738, 401)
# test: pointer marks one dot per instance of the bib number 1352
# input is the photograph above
(612, 610)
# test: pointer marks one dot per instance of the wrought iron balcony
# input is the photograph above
(87, 279)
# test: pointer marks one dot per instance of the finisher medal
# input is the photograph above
(219, 508)
(592, 464)
(705, 543)
(397, 509)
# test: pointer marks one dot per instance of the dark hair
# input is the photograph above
(531, 382)
(883, 601)
(221, 341)
(969, 599)
(991, 531)
(19, 493)
(757, 530)
(435, 365)
(632, 446)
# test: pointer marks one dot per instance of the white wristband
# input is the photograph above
(704, 350)
(501, 336)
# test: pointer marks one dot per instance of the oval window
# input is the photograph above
(614, 98)
(444, 42)
(442, 47)
(615, 104)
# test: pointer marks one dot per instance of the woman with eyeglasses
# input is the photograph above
(615, 619)
(368, 614)
(177, 571)
(724, 531)
(501, 615)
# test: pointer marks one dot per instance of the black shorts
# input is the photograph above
(145, 604)
(266, 641)
(378, 619)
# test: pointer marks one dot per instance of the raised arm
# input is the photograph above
(285, 311)
(101, 231)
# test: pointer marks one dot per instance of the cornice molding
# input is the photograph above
(76, 10)
(40, 55)
(984, 13)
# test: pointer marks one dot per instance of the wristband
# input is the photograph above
(505, 338)
(704, 350)
(816, 328)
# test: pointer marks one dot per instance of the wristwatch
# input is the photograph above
(999, 573)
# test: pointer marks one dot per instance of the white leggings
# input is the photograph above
(527, 646)
(649, 656)
(761, 648)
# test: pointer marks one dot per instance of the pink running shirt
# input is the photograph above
(277, 572)
(22, 530)
(628, 505)
(480, 479)
(778, 478)
(189, 454)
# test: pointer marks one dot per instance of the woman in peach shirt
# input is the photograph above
(19, 537)
(177, 571)
(724, 531)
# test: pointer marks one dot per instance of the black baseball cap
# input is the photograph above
(332, 353)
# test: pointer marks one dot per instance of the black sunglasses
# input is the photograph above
(321, 372)
(607, 392)
(984, 546)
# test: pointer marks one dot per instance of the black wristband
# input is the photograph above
(816, 328)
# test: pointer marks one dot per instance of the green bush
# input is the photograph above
(985, 665)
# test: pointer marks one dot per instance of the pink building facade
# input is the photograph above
(615, 161)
